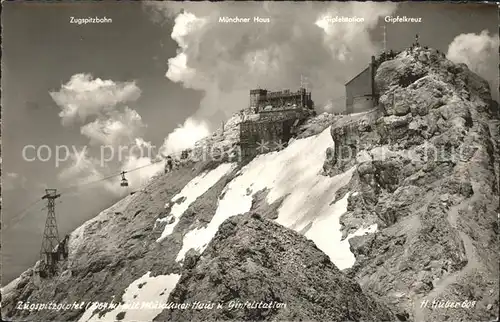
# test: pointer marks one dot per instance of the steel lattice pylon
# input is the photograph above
(50, 234)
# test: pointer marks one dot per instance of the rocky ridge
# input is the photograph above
(253, 260)
(436, 218)
(110, 251)
(121, 243)
(426, 176)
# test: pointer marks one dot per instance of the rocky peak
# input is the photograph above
(420, 168)
(253, 260)
(426, 69)
(427, 175)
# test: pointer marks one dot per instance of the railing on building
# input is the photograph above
(272, 126)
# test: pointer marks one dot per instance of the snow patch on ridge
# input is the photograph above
(327, 228)
(145, 290)
(363, 231)
(194, 189)
(325, 231)
(349, 259)
(293, 173)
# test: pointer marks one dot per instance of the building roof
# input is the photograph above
(357, 75)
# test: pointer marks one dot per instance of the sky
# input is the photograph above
(165, 74)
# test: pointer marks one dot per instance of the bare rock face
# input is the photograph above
(253, 261)
(427, 175)
(350, 135)
(426, 172)
(222, 144)
(316, 125)
(401, 72)
(114, 249)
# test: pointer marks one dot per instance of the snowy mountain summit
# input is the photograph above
(382, 215)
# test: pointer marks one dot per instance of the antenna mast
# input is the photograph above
(385, 39)
(303, 82)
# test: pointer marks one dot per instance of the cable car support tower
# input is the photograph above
(50, 241)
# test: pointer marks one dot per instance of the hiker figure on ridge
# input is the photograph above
(63, 247)
(169, 164)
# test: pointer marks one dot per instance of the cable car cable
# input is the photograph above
(20, 214)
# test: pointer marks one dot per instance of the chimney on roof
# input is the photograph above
(373, 69)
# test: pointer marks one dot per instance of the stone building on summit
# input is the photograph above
(361, 92)
(261, 99)
(272, 119)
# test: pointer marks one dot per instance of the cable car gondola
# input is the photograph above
(124, 182)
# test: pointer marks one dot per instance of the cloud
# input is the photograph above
(480, 53)
(82, 96)
(115, 134)
(83, 170)
(226, 60)
(86, 172)
(13, 180)
(114, 129)
(343, 38)
(185, 136)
